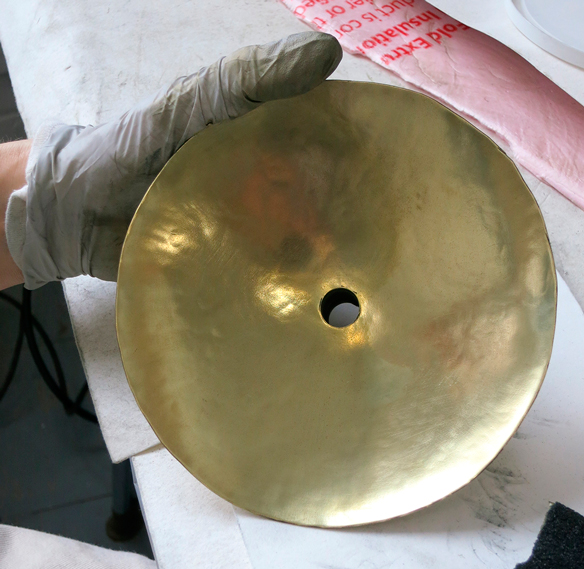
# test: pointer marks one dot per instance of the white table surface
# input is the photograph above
(83, 61)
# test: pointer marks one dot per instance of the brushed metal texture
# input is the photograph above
(358, 186)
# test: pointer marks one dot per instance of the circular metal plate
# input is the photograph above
(380, 192)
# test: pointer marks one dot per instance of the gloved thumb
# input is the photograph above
(291, 66)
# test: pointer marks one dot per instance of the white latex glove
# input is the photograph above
(85, 183)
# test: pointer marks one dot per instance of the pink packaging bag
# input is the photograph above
(538, 124)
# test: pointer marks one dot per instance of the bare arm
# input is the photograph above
(13, 159)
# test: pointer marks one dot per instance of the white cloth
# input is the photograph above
(188, 525)
(91, 304)
(27, 549)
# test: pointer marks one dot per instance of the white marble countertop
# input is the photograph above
(85, 62)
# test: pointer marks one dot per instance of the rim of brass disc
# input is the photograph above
(229, 340)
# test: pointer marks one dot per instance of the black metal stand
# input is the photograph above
(126, 519)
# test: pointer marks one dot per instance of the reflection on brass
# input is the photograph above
(376, 190)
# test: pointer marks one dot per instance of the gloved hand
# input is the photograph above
(85, 183)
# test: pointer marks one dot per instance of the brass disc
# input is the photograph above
(380, 192)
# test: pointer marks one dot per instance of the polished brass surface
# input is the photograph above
(369, 188)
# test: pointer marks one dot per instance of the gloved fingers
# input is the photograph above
(235, 85)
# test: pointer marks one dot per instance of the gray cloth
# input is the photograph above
(27, 549)
(85, 183)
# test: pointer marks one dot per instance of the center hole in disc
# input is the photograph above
(340, 307)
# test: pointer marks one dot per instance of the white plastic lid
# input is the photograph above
(554, 25)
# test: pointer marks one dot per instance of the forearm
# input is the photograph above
(13, 159)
